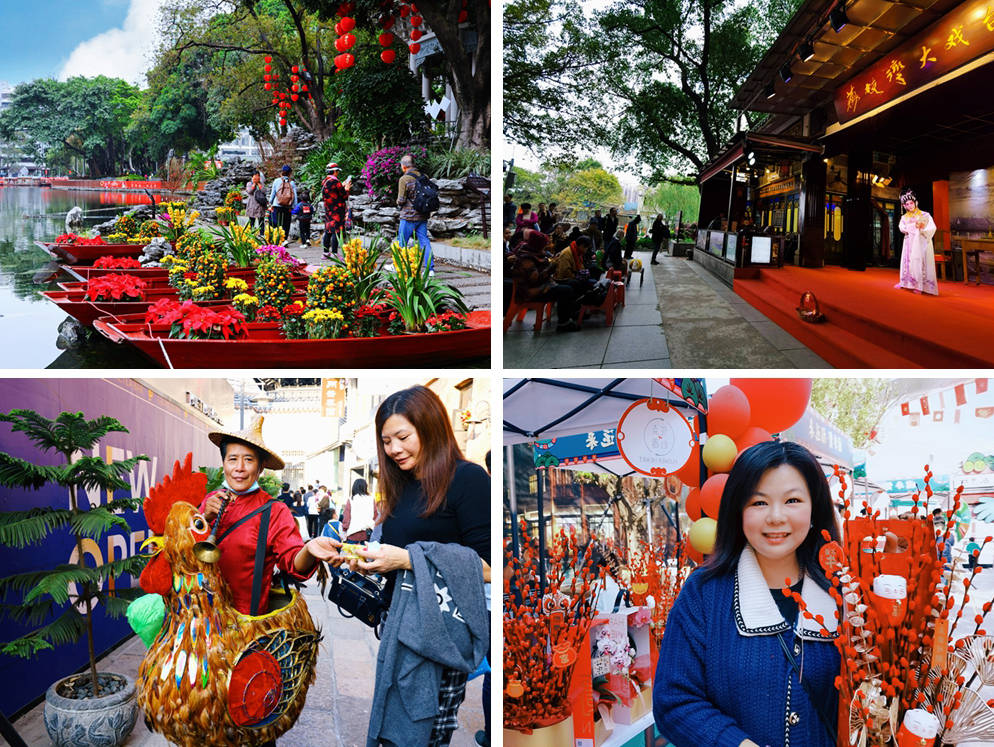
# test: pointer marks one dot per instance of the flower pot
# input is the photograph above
(556, 735)
(105, 721)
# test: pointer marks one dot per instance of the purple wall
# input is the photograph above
(158, 428)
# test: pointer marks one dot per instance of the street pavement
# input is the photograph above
(336, 712)
(680, 317)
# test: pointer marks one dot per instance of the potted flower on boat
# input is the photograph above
(87, 708)
(115, 287)
(117, 263)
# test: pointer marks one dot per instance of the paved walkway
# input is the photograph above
(336, 712)
(681, 317)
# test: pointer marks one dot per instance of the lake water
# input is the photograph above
(29, 322)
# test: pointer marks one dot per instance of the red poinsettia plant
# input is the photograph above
(68, 239)
(371, 319)
(192, 322)
(117, 263)
(115, 287)
(268, 313)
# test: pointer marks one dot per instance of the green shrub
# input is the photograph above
(347, 150)
(455, 163)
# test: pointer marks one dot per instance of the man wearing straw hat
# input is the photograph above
(255, 533)
(335, 194)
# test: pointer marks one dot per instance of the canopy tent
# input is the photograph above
(546, 408)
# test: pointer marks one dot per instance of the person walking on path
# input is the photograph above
(256, 203)
(660, 233)
(414, 218)
(335, 195)
(303, 211)
(312, 514)
(631, 235)
(610, 225)
(972, 553)
(283, 197)
(359, 514)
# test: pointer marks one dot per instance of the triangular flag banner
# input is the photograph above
(937, 416)
(981, 386)
(985, 412)
(924, 401)
(942, 401)
(960, 390)
(956, 416)
(905, 408)
(915, 417)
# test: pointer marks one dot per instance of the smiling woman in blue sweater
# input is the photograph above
(738, 666)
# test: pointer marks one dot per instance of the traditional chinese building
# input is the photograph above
(856, 100)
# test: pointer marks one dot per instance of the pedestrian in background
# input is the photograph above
(283, 197)
(358, 516)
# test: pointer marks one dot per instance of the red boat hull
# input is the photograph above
(265, 348)
(87, 254)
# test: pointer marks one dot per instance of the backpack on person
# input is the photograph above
(259, 194)
(284, 195)
(424, 197)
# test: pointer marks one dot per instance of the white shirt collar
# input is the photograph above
(756, 612)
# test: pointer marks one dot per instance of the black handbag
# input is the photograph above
(360, 597)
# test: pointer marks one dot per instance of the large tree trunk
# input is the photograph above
(469, 74)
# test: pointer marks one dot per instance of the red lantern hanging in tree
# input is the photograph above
(347, 41)
(416, 34)
(387, 23)
(463, 16)
(295, 69)
(294, 96)
(388, 56)
(268, 58)
(268, 86)
(386, 39)
(416, 21)
(404, 11)
(267, 77)
(348, 23)
(415, 48)
(269, 68)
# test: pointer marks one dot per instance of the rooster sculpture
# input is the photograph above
(214, 676)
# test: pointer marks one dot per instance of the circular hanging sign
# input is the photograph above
(654, 438)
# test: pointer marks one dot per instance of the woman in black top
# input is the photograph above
(430, 494)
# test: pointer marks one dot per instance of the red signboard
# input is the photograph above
(962, 36)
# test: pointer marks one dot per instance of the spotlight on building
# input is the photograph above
(806, 51)
(838, 17)
(771, 90)
(786, 74)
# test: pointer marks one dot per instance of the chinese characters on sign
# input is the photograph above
(961, 36)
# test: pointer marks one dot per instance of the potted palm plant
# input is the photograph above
(85, 708)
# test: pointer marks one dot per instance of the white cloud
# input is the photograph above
(124, 52)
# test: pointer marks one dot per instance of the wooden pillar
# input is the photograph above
(811, 241)
(940, 212)
(857, 234)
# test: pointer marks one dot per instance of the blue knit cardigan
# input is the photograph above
(723, 676)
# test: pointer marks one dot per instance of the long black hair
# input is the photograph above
(359, 487)
(749, 468)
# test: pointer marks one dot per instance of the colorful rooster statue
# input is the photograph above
(213, 675)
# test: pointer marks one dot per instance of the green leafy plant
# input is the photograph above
(45, 591)
(454, 162)
(240, 242)
(417, 295)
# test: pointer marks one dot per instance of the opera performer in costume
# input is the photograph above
(232, 659)
(917, 254)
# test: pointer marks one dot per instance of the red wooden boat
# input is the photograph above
(75, 254)
(159, 284)
(85, 272)
(265, 348)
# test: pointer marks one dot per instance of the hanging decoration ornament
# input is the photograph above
(654, 438)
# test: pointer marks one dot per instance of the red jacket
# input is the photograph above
(238, 548)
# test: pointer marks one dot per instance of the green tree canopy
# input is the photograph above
(594, 185)
(854, 406)
(669, 199)
(83, 117)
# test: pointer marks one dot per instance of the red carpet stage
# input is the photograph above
(872, 324)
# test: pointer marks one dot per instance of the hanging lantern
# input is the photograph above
(404, 11)
(415, 48)
(303, 87)
(295, 69)
(268, 86)
(339, 63)
(294, 96)
(348, 23)
(268, 58)
(267, 77)
(386, 39)
(338, 28)
(294, 88)
(463, 16)
(348, 41)
(416, 21)
(294, 78)
(388, 56)
(349, 60)
(269, 68)
(387, 23)
(416, 34)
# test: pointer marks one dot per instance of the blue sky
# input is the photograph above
(25, 54)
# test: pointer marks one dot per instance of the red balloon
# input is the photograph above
(690, 473)
(416, 34)
(348, 23)
(415, 48)
(728, 412)
(693, 504)
(711, 492)
(388, 56)
(775, 404)
(750, 437)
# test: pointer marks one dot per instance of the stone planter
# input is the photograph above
(104, 721)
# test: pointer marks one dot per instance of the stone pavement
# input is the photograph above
(682, 317)
(472, 282)
(336, 712)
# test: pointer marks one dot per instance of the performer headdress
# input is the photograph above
(908, 194)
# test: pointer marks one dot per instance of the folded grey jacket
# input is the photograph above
(437, 620)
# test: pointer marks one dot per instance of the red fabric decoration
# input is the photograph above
(981, 386)
(924, 403)
(960, 391)
(905, 408)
